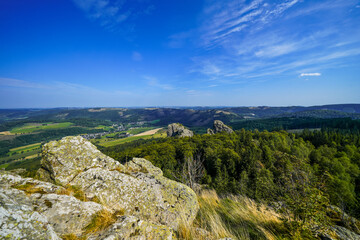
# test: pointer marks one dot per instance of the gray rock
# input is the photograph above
(151, 205)
(345, 234)
(344, 219)
(19, 220)
(178, 130)
(219, 126)
(63, 160)
(210, 131)
(130, 227)
(138, 188)
(65, 214)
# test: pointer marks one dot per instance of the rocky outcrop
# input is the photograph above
(210, 131)
(63, 160)
(219, 126)
(345, 234)
(19, 220)
(78, 183)
(130, 227)
(343, 219)
(29, 206)
(178, 130)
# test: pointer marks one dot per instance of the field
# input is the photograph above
(25, 155)
(32, 127)
(150, 132)
(129, 139)
(26, 148)
(6, 133)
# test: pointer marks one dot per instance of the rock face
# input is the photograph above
(151, 205)
(210, 131)
(32, 209)
(219, 126)
(178, 130)
(63, 160)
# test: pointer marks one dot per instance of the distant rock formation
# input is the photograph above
(147, 204)
(210, 131)
(219, 126)
(178, 130)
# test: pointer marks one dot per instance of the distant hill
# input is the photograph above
(325, 111)
(193, 117)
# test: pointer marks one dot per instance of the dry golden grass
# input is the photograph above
(76, 191)
(29, 188)
(102, 220)
(236, 217)
(72, 236)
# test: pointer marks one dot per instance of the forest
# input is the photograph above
(305, 173)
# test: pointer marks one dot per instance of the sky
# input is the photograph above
(126, 53)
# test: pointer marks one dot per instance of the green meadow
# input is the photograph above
(34, 127)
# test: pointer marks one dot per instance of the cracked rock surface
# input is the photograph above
(151, 205)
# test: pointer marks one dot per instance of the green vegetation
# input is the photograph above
(299, 172)
(25, 148)
(237, 217)
(139, 130)
(4, 165)
(307, 171)
(21, 156)
(128, 139)
(296, 123)
(32, 127)
(32, 164)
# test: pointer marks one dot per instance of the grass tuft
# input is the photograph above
(102, 220)
(72, 236)
(236, 217)
(29, 188)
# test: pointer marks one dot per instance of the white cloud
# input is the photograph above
(136, 56)
(154, 82)
(277, 50)
(227, 18)
(11, 82)
(310, 74)
(111, 13)
(53, 86)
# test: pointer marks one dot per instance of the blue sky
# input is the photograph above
(88, 53)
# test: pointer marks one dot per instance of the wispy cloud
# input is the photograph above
(310, 74)
(11, 82)
(136, 56)
(111, 13)
(154, 82)
(227, 18)
(51, 86)
(253, 39)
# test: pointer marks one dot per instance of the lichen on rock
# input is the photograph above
(138, 188)
(178, 130)
(219, 126)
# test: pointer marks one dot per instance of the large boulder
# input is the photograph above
(178, 130)
(29, 206)
(219, 126)
(32, 209)
(63, 160)
(137, 188)
(19, 220)
(130, 227)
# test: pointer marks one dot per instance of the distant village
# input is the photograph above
(116, 128)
